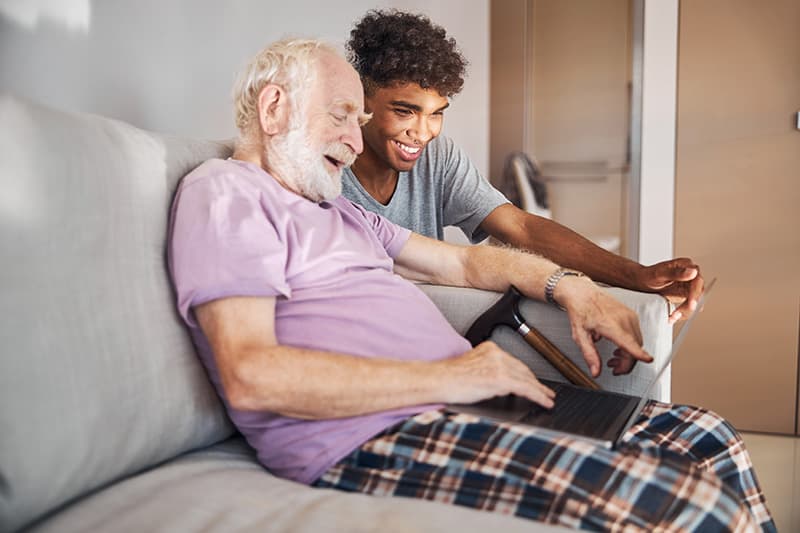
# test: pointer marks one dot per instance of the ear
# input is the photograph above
(273, 109)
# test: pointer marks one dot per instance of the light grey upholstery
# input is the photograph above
(463, 306)
(98, 378)
(222, 489)
(107, 419)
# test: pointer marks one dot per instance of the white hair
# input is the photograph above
(288, 63)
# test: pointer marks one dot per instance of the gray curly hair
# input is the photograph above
(287, 63)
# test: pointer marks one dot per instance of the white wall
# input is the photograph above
(168, 65)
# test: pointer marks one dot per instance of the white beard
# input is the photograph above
(302, 168)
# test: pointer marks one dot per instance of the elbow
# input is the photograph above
(259, 381)
(247, 385)
(241, 398)
(242, 395)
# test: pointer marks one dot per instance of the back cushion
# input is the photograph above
(98, 378)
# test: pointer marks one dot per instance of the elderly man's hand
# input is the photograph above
(595, 315)
(678, 280)
(487, 371)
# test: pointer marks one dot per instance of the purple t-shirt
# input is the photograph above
(235, 231)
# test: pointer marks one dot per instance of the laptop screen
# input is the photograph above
(676, 344)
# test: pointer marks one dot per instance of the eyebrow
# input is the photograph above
(415, 107)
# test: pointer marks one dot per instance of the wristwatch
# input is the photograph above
(552, 281)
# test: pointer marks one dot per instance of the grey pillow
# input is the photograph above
(98, 378)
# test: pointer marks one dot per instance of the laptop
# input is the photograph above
(601, 417)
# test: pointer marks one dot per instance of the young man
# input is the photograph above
(335, 368)
(411, 175)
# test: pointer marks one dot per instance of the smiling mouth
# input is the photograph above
(335, 162)
(410, 150)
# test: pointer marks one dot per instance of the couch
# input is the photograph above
(107, 419)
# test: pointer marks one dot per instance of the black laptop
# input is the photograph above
(602, 417)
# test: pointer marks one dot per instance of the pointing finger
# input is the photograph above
(586, 344)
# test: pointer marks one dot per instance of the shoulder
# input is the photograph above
(353, 209)
(223, 179)
(218, 173)
(440, 160)
(219, 190)
(342, 203)
(441, 148)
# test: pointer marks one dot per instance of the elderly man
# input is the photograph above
(411, 175)
(335, 368)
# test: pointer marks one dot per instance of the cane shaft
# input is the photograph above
(563, 364)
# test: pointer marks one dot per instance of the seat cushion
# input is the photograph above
(98, 377)
(223, 489)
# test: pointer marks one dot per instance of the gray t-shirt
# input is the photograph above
(443, 189)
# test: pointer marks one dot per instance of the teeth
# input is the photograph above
(408, 149)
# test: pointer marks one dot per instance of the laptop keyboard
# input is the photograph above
(581, 411)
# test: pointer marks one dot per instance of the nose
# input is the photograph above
(421, 131)
(352, 137)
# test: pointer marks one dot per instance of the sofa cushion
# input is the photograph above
(98, 378)
(223, 489)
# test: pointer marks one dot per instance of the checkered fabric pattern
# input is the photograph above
(679, 469)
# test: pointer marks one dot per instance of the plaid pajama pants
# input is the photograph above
(679, 469)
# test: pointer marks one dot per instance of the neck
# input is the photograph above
(375, 176)
(249, 150)
(250, 153)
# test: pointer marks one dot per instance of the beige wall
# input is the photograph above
(737, 198)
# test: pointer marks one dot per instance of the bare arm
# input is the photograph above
(259, 374)
(593, 313)
(678, 279)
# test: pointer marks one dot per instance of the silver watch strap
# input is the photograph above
(552, 281)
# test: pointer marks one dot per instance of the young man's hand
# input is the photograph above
(678, 280)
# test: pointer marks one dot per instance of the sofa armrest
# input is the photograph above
(462, 306)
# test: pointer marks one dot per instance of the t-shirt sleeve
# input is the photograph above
(468, 197)
(222, 244)
(391, 236)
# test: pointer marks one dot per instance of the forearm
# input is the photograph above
(312, 384)
(493, 268)
(571, 250)
(482, 267)
(259, 374)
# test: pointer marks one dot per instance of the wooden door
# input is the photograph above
(738, 207)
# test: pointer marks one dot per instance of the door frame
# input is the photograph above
(651, 192)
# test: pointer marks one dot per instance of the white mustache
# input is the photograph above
(341, 152)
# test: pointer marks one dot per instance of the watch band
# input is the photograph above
(552, 281)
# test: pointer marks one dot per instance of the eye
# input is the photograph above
(402, 112)
(338, 118)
